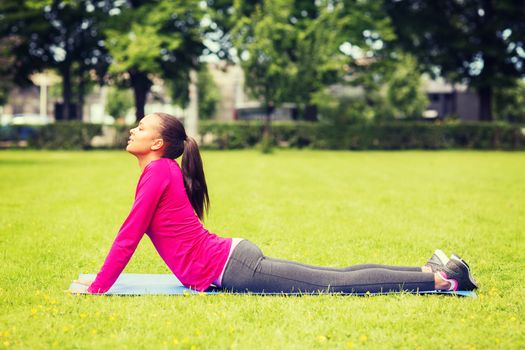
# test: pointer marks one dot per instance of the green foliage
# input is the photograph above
(238, 135)
(264, 41)
(208, 94)
(291, 53)
(64, 135)
(509, 103)
(342, 109)
(386, 92)
(387, 135)
(405, 96)
(60, 35)
(156, 39)
(478, 42)
(119, 101)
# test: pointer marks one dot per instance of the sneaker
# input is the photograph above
(457, 273)
(455, 256)
(438, 261)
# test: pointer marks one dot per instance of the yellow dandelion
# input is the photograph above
(198, 332)
(168, 322)
(363, 338)
(34, 311)
(175, 341)
(232, 329)
(94, 331)
(6, 334)
(193, 347)
(83, 315)
(65, 329)
(350, 345)
(472, 347)
(321, 338)
(97, 313)
(6, 343)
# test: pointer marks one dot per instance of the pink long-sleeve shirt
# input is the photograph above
(163, 211)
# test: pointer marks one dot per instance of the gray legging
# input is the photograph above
(248, 270)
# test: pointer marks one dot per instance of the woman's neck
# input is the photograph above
(145, 160)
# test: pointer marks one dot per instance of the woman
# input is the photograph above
(170, 200)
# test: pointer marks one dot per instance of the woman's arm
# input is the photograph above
(152, 184)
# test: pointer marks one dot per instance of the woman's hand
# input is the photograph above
(83, 282)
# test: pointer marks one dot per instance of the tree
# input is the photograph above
(118, 103)
(7, 65)
(480, 42)
(208, 94)
(308, 49)
(334, 38)
(405, 96)
(266, 41)
(63, 35)
(509, 103)
(156, 38)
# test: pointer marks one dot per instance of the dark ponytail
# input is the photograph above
(177, 143)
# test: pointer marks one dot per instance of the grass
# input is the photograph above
(60, 211)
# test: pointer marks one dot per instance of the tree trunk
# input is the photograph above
(485, 103)
(267, 121)
(141, 85)
(80, 95)
(488, 73)
(66, 90)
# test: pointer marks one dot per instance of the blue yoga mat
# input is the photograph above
(167, 284)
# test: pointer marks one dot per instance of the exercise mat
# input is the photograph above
(168, 284)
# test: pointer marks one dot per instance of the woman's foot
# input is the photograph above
(437, 262)
(455, 276)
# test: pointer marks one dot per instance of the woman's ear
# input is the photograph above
(157, 144)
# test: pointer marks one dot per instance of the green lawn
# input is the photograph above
(60, 211)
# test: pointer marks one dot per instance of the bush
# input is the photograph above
(234, 135)
(364, 136)
(60, 135)
(65, 135)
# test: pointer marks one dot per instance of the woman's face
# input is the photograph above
(145, 138)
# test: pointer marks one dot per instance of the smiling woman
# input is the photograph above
(170, 202)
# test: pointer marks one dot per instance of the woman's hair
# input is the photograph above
(177, 143)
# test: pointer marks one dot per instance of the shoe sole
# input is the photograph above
(442, 256)
(462, 262)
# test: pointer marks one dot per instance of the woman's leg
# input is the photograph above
(354, 267)
(248, 270)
